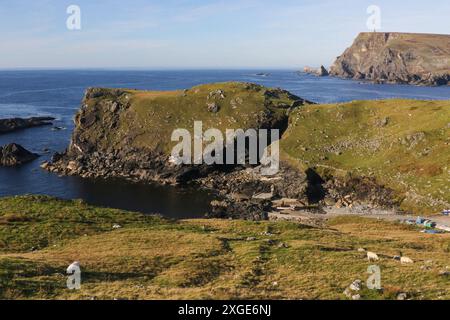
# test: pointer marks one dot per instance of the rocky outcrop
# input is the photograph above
(241, 191)
(403, 58)
(127, 134)
(14, 154)
(9, 125)
(321, 72)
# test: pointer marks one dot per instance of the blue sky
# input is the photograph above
(189, 34)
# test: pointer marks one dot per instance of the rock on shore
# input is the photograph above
(404, 58)
(13, 124)
(14, 154)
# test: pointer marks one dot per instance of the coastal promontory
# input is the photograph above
(401, 58)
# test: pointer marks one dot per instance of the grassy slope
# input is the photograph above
(352, 137)
(153, 258)
(434, 49)
(152, 116)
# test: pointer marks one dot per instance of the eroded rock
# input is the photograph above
(14, 155)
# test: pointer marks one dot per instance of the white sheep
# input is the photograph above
(372, 256)
(406, 260)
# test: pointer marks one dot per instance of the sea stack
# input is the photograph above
(321, 72)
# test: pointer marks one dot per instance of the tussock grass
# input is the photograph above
(152, 258)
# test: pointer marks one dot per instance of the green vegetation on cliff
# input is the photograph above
(400, 144)
(113, 119)
(403, 144)
(152, 258)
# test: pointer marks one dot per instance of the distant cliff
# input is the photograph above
(421, 59)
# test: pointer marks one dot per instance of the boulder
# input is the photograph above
(14, 154)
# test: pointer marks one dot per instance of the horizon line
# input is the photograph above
(273, 68)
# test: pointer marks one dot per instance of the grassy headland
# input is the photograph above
(403, 144)
(112, 119)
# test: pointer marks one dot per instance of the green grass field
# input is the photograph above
(153, 258)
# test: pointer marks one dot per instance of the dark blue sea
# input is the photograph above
(58, 94)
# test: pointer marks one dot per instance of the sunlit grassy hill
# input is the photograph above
(112, 119)
(404, 144)
(153, 258)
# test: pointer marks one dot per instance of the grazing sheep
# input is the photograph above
(372, 256)
(406, 260)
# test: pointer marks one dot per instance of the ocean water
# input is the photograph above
(58, 94)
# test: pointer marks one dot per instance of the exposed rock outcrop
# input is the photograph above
(14, 154)
(321, 72)
(9, 125)
(403, 58)
(127, 134)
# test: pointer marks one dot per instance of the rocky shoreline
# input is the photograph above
(103, 146)
(242, 192)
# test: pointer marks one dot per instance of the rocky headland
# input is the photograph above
(127, 134)
(401, 58)
(389, 160)
(14, 124)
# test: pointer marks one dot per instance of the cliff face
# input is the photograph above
(421, 59)
(127, 134)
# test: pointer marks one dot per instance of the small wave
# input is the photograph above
(25, 111)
